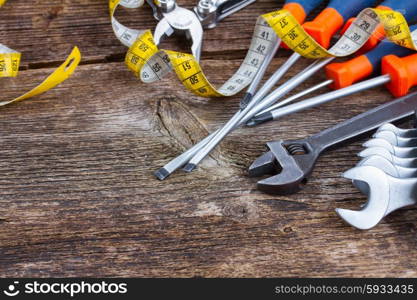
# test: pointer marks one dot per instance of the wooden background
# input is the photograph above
(77, 192)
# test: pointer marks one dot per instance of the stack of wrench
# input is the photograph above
(387, 175)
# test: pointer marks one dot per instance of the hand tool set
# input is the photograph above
(387, 173)
(261, 101)
(388, 186)
(293, 161)
(151, 64)
(319, 24)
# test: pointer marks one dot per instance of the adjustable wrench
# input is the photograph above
(294, 160)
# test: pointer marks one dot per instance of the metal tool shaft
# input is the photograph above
(296, 96)
(181, 160)
(334, 95)
(267, 116)
(236, 121)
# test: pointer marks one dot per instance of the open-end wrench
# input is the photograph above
(174, 18)
(386, 194)
(395, 139)
(294, 160)
(384, 165)
(406, 133)
(410, 162)
(403, 152)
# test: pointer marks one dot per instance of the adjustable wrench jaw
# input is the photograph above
(290, 163)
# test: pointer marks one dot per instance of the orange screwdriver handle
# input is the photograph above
(403, 73)
(347, 73)
(300, 9)
(407, 7)
(332, 18)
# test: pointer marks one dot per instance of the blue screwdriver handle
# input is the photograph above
(351, 8)
(308, 5)
(407, 7)
(387, 47)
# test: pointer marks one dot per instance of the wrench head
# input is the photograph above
(378, 162)
(289, 163)
(183, 21)
(407, 133)
(378, 198)
(381, 163)
(389, 136)
(395, 160)
(401, 152)
(396, 140)
(380, 143)
(368, 152)
(163, 30)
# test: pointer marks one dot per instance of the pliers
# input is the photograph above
(176, 19)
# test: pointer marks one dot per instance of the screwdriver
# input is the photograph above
(299, 9)
(324, 26)
(336, 71)
(344, 74)
(398, 74)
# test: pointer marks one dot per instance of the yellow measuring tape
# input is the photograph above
(151, 64)
(9, 67)
(293, 34)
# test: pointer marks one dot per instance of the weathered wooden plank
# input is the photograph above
(77, 194)
(46, 31)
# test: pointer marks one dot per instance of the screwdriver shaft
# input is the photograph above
(254, 107)
(313, 102)
(182, 159)
(296, 96)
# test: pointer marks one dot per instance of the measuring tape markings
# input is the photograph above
(294, 35)
(9, 67)
(151, 64)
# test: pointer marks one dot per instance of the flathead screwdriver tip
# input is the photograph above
(266, 117)
(189, 167)
(162, 173)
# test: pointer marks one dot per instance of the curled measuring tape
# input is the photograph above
(151, 64)
(293, 34)
(9, 67)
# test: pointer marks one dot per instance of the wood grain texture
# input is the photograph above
(77, 194)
